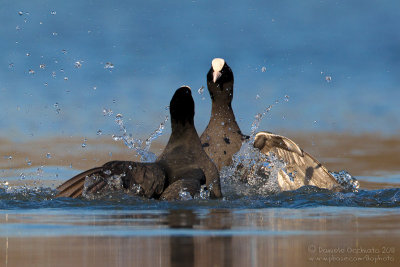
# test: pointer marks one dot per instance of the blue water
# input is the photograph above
(304, 197)
(35, 212)
(67, 68)
(338, 61)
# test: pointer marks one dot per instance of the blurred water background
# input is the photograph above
(63, 63)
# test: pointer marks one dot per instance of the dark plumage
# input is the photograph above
(222, 138)
(183, 165)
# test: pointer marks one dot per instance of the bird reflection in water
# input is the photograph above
(190, 249)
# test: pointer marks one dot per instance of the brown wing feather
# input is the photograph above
(301, 168)
(74, 186)
(150, 177)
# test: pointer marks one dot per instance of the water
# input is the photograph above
(68, 88)
(254, 210)
(331, 60)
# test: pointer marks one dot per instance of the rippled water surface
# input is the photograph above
(309, 226)
(86, 82)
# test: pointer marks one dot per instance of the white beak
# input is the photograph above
(216, 75)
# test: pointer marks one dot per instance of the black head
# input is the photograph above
(220, 81)
(181, 106)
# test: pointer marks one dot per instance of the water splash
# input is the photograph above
(346, 180)
(113, 184)
(184, 194)
(253, 173)
(204, 192)
(201, 90)
(259, 116)
(140, 147)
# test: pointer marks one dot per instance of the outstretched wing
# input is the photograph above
(301, 168)
(143, 179)
(74, 186)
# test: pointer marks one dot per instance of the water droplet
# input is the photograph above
(78, 64)
(94, 87)
(57, 108)
(55, 34)
(118, 119)
(201, 90)
(107, 112)
(99, 132)
(65, 78)
(84, 143)
(53, 12)
(64, 51)
(22, 176)
(45, 84)
(264, 69)
(31, 71)
(222, 123)
(11, 65)
(28, 54)
(109, 65)
(258, 97)
(328, 79)
(8, 157)
(53, 73)
(48, 155)
(42, 66)
(29, 163)
(286, 98)
(17, 27)
(40, 23)
(20, 13)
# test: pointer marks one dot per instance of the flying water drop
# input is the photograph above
(109, 65)
(78, 64)
(201, 90)
(84, 143)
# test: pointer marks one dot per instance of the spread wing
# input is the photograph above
(143, 179)
(74, 186)
(301, 168)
